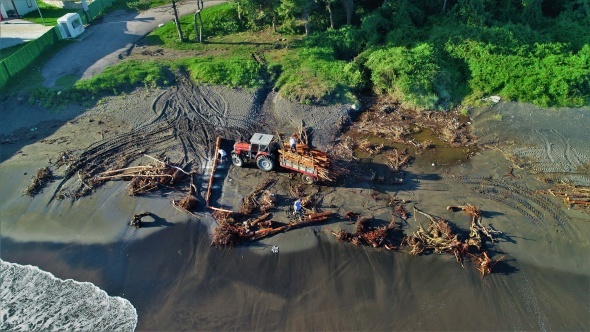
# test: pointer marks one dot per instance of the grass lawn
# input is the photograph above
(50, 14)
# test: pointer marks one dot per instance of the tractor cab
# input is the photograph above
(261, 148)
(261, 143)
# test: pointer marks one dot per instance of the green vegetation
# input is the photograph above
(50, 14)
(217, 21)
(121, 78)
(233, 72)
(126, 76)
(314, 76)
(419, 53)
(146, 4)
(425, 54)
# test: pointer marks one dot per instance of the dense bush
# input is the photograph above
(315, 76)
(545, 74)
(413, 76)
(233, 72)
(346, 42)
(413, 50)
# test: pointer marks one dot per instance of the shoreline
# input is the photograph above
(89, 239)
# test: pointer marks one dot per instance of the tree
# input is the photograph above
(328, 4)
(176, 21)
(198, 32)
(349, 8)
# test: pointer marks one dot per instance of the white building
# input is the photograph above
(16, 8)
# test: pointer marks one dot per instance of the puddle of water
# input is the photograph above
(441, 153)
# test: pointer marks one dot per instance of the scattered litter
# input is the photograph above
(275, 249)
(160, 25)
(493, 99)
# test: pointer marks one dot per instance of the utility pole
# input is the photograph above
(42, 19)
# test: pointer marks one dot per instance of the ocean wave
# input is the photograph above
(34, 300)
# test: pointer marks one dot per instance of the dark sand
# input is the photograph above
(177, 282)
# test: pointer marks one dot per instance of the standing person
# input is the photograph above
(293, 144)
(297, 207)
(222, 155)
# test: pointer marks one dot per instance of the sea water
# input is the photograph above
(34, 300)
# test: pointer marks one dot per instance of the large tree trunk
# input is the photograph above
(306, 19)
(349, 7)
(329, 9)
(176, 21)
(274, 21)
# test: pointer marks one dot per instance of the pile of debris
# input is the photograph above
(397, 124)
(236, 228)
(39, 180)
(143, 179)
(397, 161)
(254, 219)
(573, 196)
(440, 238)
(309, 158)
(389, 236)
(260, 199)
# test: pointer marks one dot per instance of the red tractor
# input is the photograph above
(261, 148)
(312, 164)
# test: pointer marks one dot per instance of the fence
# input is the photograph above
(18, 61)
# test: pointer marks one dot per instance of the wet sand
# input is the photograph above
(177, 282)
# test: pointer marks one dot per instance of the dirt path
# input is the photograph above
(104, 41)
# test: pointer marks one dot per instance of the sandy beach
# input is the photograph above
(176, 281)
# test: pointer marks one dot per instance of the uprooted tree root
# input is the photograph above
(39, 180)
(235, 228)
(440, 238)
(189, 202)
(388, 236)
(261, 198)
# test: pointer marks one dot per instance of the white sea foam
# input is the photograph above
(35, 300)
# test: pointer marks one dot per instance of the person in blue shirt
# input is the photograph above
(297, 207)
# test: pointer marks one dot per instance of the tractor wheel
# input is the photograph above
(237, 160)
(307, 179)
(265, 163)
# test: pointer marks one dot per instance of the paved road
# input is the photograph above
(105, 41)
